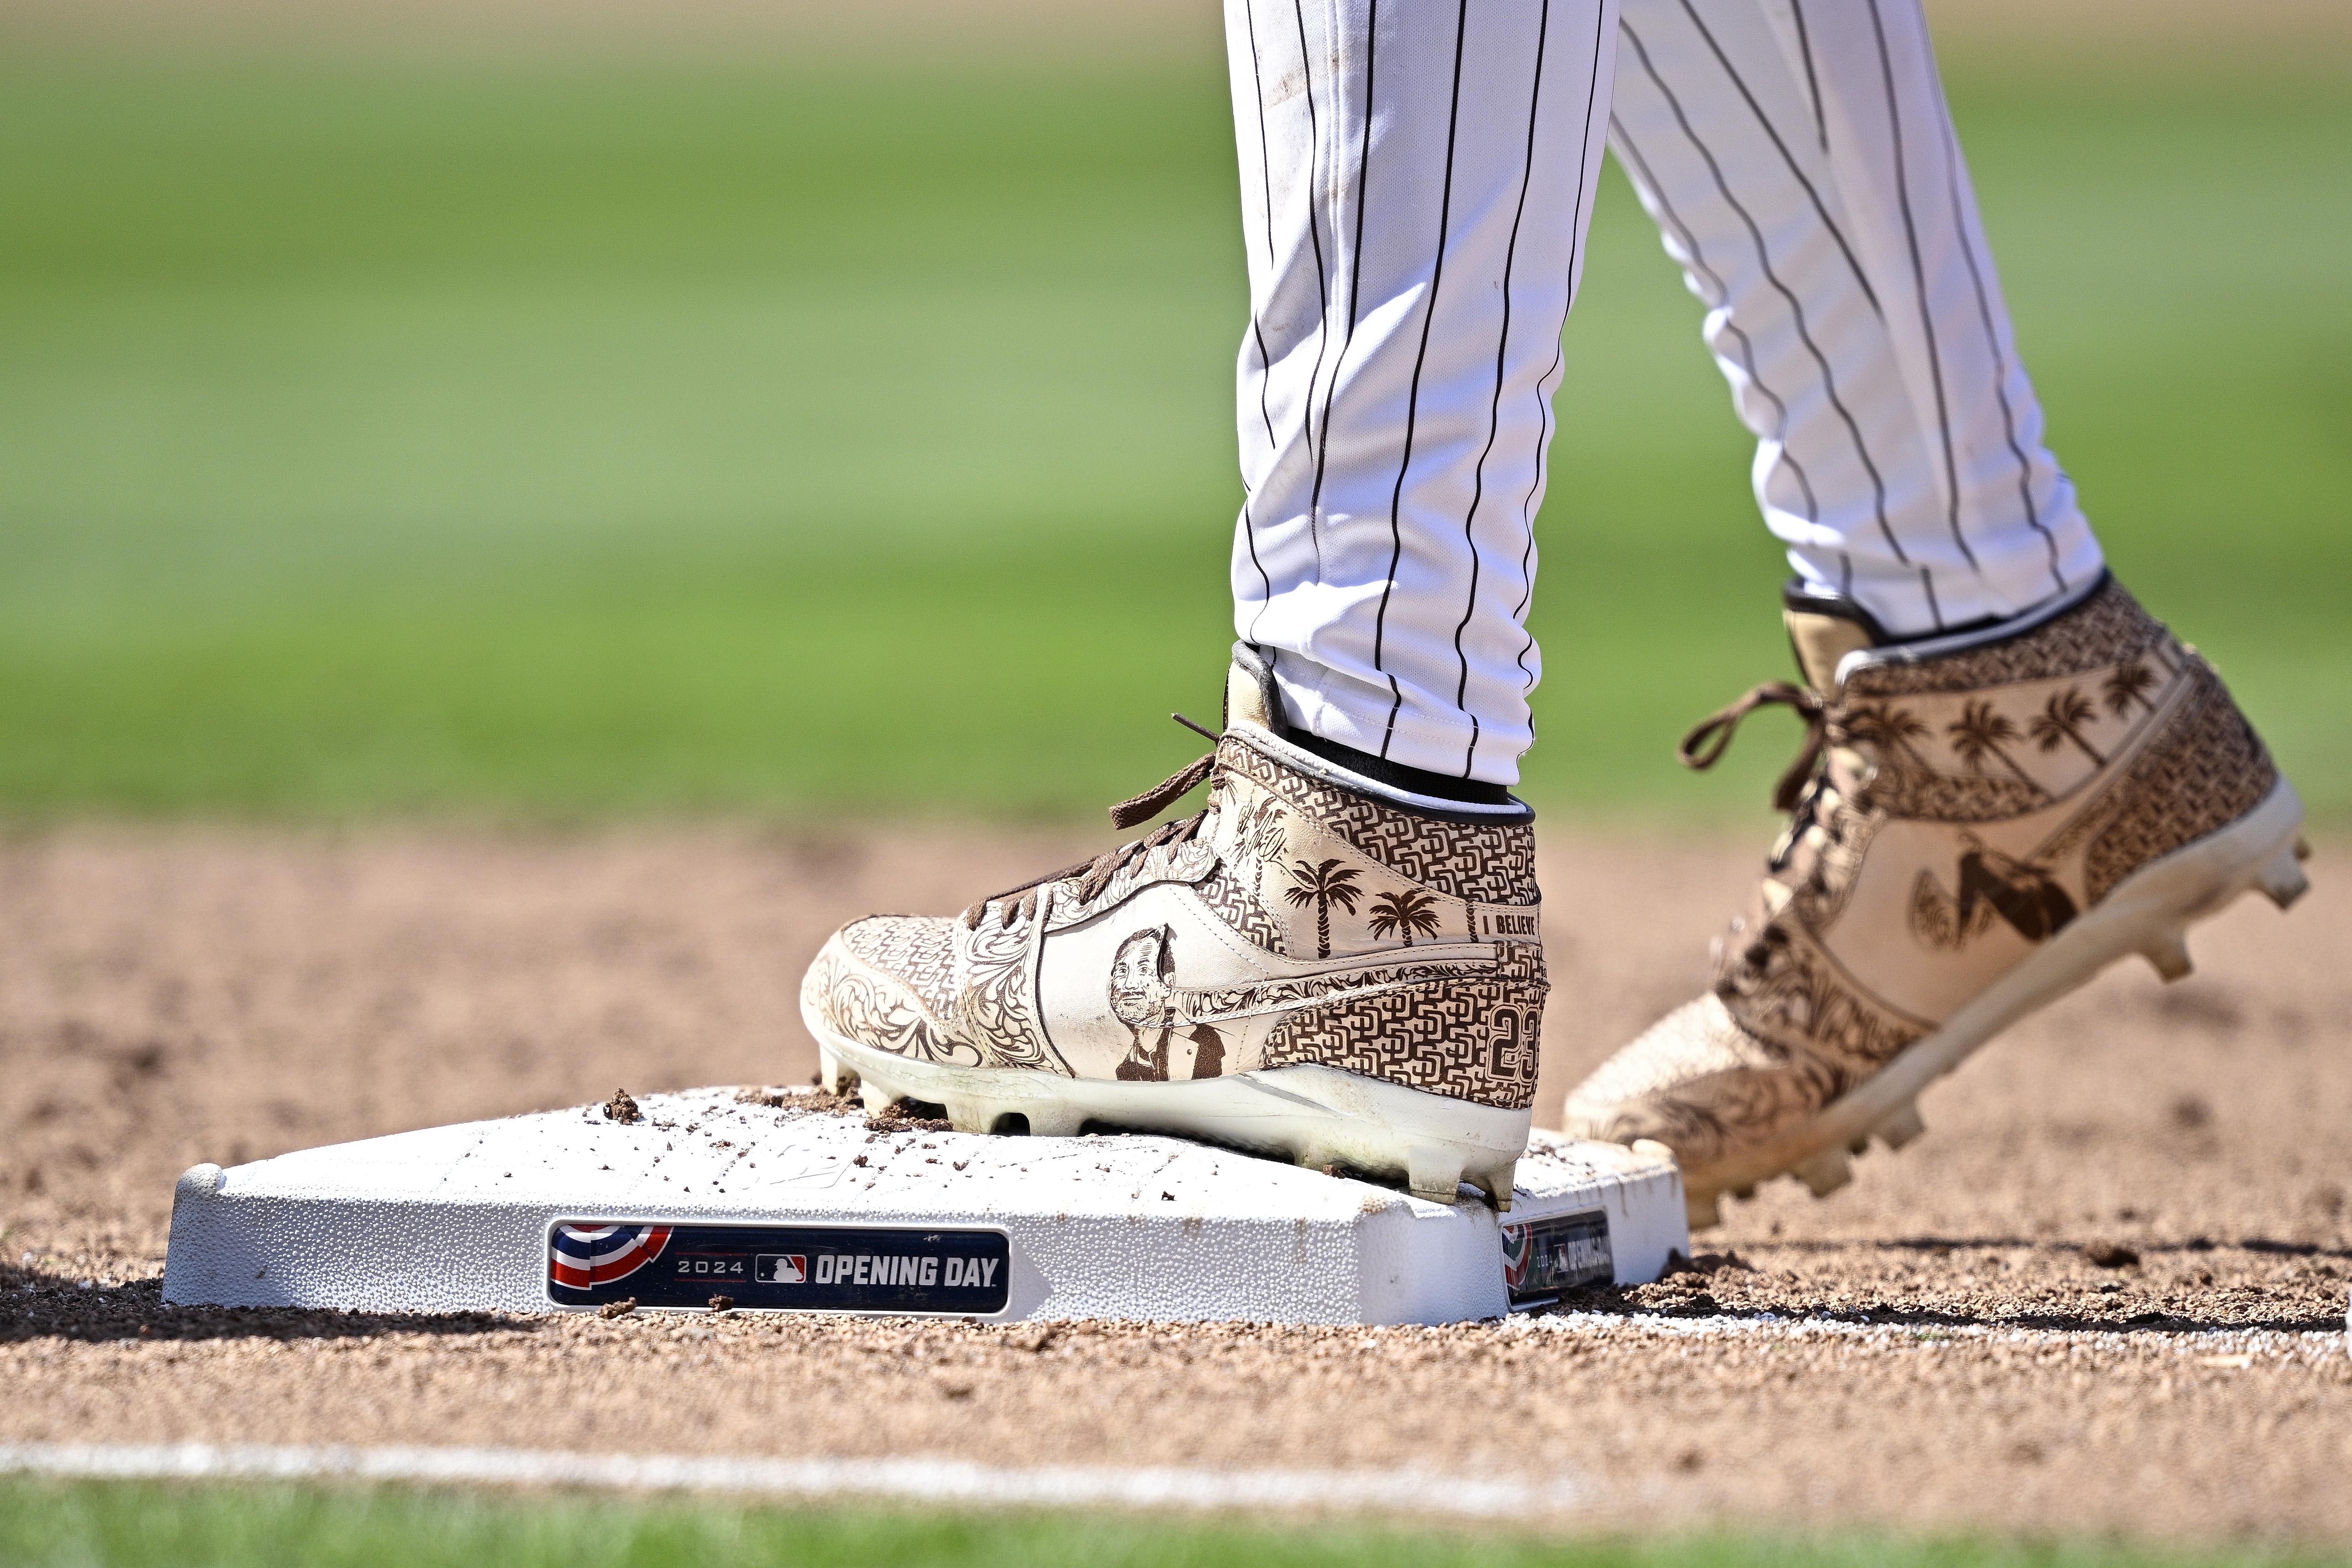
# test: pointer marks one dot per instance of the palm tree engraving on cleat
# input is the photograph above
(1977, 824)
(1304, 967)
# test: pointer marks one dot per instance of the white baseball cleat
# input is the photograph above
(1313, 965)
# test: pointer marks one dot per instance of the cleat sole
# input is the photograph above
(1315, 1116)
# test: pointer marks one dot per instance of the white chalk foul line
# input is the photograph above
(927, 1480)
(2310, 1342)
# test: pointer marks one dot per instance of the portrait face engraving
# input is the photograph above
(1138, 979)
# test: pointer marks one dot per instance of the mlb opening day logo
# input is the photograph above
(779, 1268)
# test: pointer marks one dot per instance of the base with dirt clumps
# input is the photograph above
(793, 1205)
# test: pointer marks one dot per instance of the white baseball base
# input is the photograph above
(470, 1217)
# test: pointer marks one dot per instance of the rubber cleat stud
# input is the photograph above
(2284, 880)
(1434, 1175)
(1704, 1210)
(1497, 1184)
(1055, 1121)
(1824, 1173)
(877, 1100)
(2169, 954)
(832, 1076)
(965, 1117)
(1902, 1126)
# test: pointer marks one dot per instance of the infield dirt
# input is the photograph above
(2107, 1292)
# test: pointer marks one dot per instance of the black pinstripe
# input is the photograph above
(1355, 261)
(1796, 309)
(1812, 81)
(1264, 166)
(1558, 358)
(1633, 155)
(2000, 360)
(1495, 409)
(1527, 520)
(1413, 393)
(1786, 157)
(1919, 283)
(1322, 282)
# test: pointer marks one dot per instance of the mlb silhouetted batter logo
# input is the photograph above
(1990, 883)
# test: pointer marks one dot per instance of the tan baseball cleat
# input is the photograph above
(1979, 823)
(1311, 966)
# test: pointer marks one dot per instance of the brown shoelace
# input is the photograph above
(1705, 745)
(1017, 904)
(1810, 852)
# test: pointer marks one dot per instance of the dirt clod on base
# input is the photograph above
(620, 1308)
(910, 1116)
(2110, 1254)
(621, 1108)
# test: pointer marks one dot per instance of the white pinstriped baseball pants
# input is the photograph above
(1416, 176)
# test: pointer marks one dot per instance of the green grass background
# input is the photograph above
(823, 436)
(134, 1525)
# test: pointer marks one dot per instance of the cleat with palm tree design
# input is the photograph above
(1977, 824)
(1309, 966)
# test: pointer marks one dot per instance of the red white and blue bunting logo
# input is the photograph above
(586, 1255)
(1518, 1251)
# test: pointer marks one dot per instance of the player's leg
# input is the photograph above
(1414, 206)
(2013, 775)
(1800, 161)
(1339, 956)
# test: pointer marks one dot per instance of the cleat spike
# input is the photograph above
(965, 1117)
(1434, 1175)
(876, 1098)
(1825, 1171)
(2284, 881)
(832, 1076)
(2169, 954)
(1054, 1121)
(1704, 1210)
(1497, 1184)
(1901, 1126)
